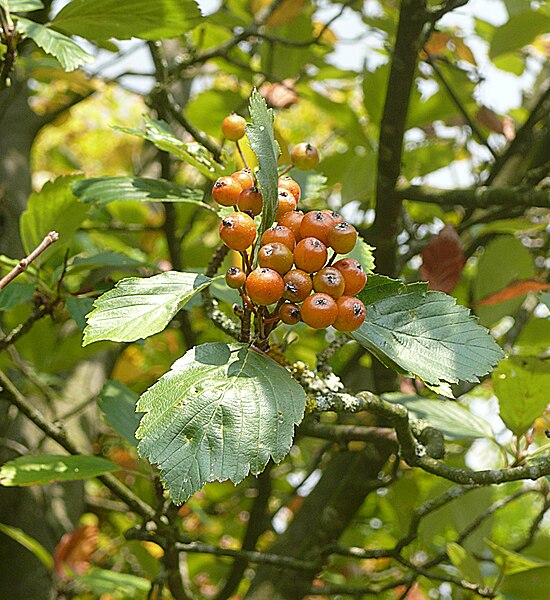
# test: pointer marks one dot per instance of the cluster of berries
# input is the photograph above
(294, 269)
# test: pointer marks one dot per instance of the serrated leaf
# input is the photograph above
(102, 190)
(521, 384)
(451, 418)
(118, 404)
(53, 208)
(22, 5)
(379, 287)
(159, 134)
(29, 543)
(47, 468)
(364, 254)
(68, 53)
(465, 563)
(15, 293)
(103, 19)
(137, 308)
(512, 562)
(220, 413)
(261, 137)
(430, 337)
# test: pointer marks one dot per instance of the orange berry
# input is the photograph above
(226, 191)
(279, 233)
(310, 254)
(342, 238)
(276, 256)
(292, 186)
(298, 285)
(317, 224)
(235, 277)
(351, 314)
(336, 216)
(264, 286)
(286, 201)
(329, 281)
(293, 220)
(244, 177)
(353, 273)
(238, 231)
(233, 127)
(319, 311)
(304, 156)
(250, 200)
(289, 313)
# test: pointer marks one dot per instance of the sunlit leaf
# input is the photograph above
(220, 413)
(46, 468)
(521, 384)
(513, 562)
(466, 564)
(68, 53)
(137, 308)
(22, 5)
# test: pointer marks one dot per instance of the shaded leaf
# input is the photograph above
(443, 260)
(104, 19)
(521, 384)
(103, 190)
(512, 562)
(220, 413)
(68, 53)
(515, 289)
(489, 118)
(47, 468)
(137, 307)
(261, 137)
(521, 29)
(122, 586)
(74, 551)
(78, 308)
(466, 564)
(430, 337)
(159, 134)
(118, 404)
(451, 418)
(54, 208)
(29, 543)
(16, 293)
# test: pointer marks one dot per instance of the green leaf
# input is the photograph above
(521, 384)
(106, 261)
(29, 543)
(512, 562)
(427, 335)
(504, 260)
(69, 54)
(261, 136)
(102, 190)
(47, 468)
(53, 208)
(375, 84)
(137, 308)
(22, 5)
(521, 29)
(466, 564)
(159, 134)
(118, 404)
(78, 308)
(363, 253)
(103, 582)
(219, 414)
(545, 299)
(451, 418)
(103, 19)
(379, 287)
(16, 293)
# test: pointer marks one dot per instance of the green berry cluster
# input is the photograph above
(292, 269)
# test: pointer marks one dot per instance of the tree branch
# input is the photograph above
(52, 237)
(479, 197)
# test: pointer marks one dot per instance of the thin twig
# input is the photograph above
(52, 237)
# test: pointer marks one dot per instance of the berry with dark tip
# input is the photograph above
(304, 156)
(286, 203)
(319, 311)
(250, 200)
(342, 238)
(235, 277)
(310, 255)
(238, 231)
(244, 177)
(351, 314)
(293, 220)
(264, 286)
(354, 275)
(279, 233)
(289, 313)
(226, 191)
(292, 186)
(329, 281)
(317, 224)
(298, 285)
(276, 256)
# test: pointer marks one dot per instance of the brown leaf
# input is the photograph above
(436, 44)
(284, 14)
(279, 95)
(73, 552)
(515, 289)
(490, 119)
(463, 51)
(443, 260)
